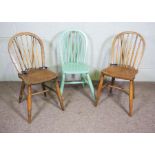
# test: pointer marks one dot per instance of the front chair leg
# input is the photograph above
(100, 86)
(131, 89)
(59, 95)
(43, 87)
(29, 103)
(21, 91)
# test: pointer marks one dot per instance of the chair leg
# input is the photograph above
(131, 97)
(133, 89)
(43, 87)
(83, 80)
(29, 103)
(62, 83)
(100, 86)
(59, 95)
(112, 83)
(91, 86)
(21, 91)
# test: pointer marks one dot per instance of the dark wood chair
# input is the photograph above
(126, 54)
(27, 54)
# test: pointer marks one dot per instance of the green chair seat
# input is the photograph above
(75, 68)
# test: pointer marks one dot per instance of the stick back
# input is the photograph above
(127, 49)
(26, 51)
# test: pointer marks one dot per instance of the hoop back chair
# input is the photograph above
(73, 48)
(126, 54)
(27, 54)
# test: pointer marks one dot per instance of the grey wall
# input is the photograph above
(100, 37)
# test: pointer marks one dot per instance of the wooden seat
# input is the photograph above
(126, 54)
(36, 76)
(121, 72)
(27, 54)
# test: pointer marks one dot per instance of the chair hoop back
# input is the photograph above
(127, 49)
(73, 46)
(27, 51)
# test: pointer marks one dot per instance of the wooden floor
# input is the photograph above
(80, 115)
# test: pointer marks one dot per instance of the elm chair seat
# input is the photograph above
(36, 76)
(121, 72)
(75, 68)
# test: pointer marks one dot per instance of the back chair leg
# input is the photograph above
(131, 97)
(100, 86)
(29, 103)
(43, 87)
(91, 86)
(21, 91)
(83, 80)
(59, 95)
(62, 83)
(112, 83)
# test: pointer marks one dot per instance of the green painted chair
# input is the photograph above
(73, 48)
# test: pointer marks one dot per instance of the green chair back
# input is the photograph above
(73, 47)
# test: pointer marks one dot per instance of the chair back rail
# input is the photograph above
(26, 51)
(73, 46)
(127, 49)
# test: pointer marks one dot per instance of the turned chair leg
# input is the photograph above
(112, 83)
(100, 86)
(21, 92)
(131, 90)
(59, 95)
(29, 103)
(43, 87)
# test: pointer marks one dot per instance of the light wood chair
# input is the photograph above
(126, 54)
(27, 54)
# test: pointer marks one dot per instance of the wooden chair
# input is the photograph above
(73, 48)
(126, 54)
(27, 54)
